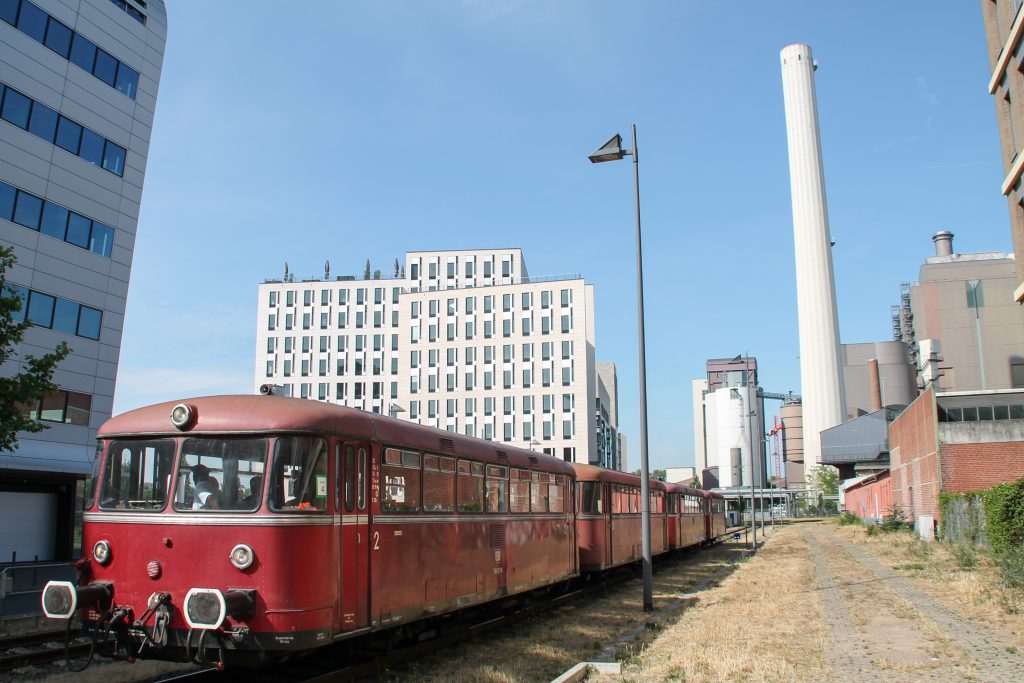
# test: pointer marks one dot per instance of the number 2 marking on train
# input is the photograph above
(376, 540)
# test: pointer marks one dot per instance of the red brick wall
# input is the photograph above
(914, 458)
(871, 500)
(973, 466)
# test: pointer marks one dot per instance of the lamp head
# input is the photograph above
(609, 151)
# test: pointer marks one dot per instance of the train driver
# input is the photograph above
(207, 489)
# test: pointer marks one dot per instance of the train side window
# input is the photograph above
(556, 493)
(671, 503)
(590, 495)
(539, 492)
(471, 486)
(350, 478)
(299, 478)
(438, 484)
(137, 475)
(400, 481)
(497, 488)
(519, 491)
(361, 481)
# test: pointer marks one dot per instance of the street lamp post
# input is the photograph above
(394, 409)
(613, 151)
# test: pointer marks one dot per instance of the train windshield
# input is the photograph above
(298, 482)
(223, 473)
(137, 475)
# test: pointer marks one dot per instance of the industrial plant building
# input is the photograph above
(466, 341)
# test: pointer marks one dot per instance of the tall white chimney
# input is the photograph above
(821, 371)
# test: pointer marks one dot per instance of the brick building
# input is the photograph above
(953, 443)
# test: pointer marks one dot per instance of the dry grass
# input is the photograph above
(932, 567)
(758, 625)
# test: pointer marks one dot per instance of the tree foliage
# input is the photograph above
(36, 377)
(826, 480)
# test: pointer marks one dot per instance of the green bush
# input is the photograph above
(894, 520)
(1004, 516)
(965, 555)
(1011, 568)
(848, 518)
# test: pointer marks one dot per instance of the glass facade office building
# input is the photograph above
(78, 88)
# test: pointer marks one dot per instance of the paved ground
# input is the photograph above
(883, 628)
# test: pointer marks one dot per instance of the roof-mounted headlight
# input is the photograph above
(182, 416)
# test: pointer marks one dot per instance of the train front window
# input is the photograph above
(94, 476)
(137, 475)
(299, 478)
(220, 473)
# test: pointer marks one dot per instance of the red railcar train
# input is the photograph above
(247, 528)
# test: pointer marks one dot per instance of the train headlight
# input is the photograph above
(62, 598)
(182, 416)
(101, 552)
(242, 556)
(207, 608)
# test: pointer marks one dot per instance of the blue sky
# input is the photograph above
(303, 131)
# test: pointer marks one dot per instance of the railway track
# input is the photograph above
(33, 649)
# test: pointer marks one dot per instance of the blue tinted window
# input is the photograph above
(89, 320)
(113, 158)
(102, 239)
(23, 293)
(26, 211)
(40, 309)
(32, 21)
(58, 38)
(127, 80)
(65, 316)
(16, 108)
(78, 230)
(83, 52)
(69, 134)
(91, 148)
(6, 201)
(55, 220)
(105, 68)
(43, 122)
(9, 11)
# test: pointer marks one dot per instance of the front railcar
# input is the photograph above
(211, 542)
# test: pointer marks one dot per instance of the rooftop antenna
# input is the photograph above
(285, 271)
(327, 270)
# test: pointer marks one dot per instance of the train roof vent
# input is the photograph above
(533, 460)
(502, 455)
(448, 445)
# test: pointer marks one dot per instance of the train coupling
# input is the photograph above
(61, 599)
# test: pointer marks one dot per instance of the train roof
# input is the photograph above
(593, 472)
(251, 414)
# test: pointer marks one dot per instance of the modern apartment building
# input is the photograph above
(960, 323)
(78, 88)
(1004, 28)
(464, 341)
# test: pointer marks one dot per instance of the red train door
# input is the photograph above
(355, 543)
